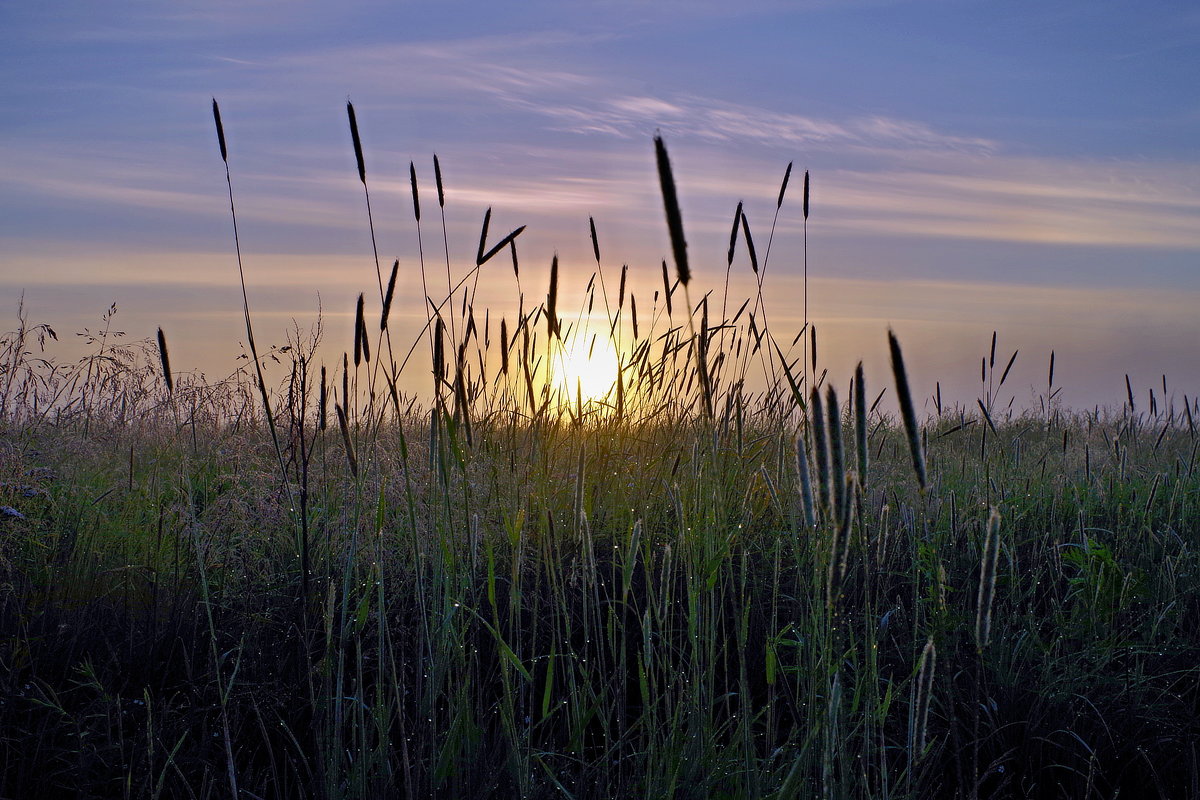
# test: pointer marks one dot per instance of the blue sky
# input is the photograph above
(1022, 166)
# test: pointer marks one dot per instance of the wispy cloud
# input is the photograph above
(560, 143)
(1024, 199)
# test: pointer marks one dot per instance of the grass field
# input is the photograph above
(317, 586)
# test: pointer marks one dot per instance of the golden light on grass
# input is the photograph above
(586, 363)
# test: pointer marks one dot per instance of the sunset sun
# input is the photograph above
(587, 363)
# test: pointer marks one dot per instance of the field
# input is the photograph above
(316, 586)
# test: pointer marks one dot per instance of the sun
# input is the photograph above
(588, 364)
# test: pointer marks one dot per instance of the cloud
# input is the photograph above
(1024, 199)
(872, 174)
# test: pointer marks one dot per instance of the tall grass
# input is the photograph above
(511, 590)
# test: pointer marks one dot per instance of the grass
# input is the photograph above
(205, 591)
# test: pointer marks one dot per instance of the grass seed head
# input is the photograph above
(907, 411)
(671, 206)
(220, 131)
(358, 151)
(323, 401)
(837, 453)
(750, 243)
(487, 220)
(412, 179)
(437, 178)
(860, 423)
(987, 581)
(166, 361)
(737, 223)
(787, 174)
(358, 331)
(820, 448)
(805, 194)
(387, 298)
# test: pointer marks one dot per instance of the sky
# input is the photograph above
(1023, 167)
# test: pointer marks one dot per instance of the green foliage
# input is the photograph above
(512, 593)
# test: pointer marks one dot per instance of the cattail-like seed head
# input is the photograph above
(737, 223)
(503, 345)
(702, 360)
(412, 179)
(166, 362)
(633, 314)
(1008, 367)
(926, 667)
(820, 448)
(907, 411)
(439, 352)
(837, 453)
(806, 495)
(595, 241)
(358, 152)
(839, 545)
(220, 131)
(387, 298)
(750, 243)
(860, 423)
(487, 220)
(516, 266)
(323, 401)
(552, 299)
(621, 290)
(787, 174)
(666, 287)
(987, 581)
(805, 194)
(812, 337)
(358, 330)
(671, 207)
(437, 178)
(345, 379)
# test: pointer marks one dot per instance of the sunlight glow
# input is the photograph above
(587, 361)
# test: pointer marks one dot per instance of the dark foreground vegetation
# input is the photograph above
(683, 590)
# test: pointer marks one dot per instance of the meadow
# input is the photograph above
(302, 582)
